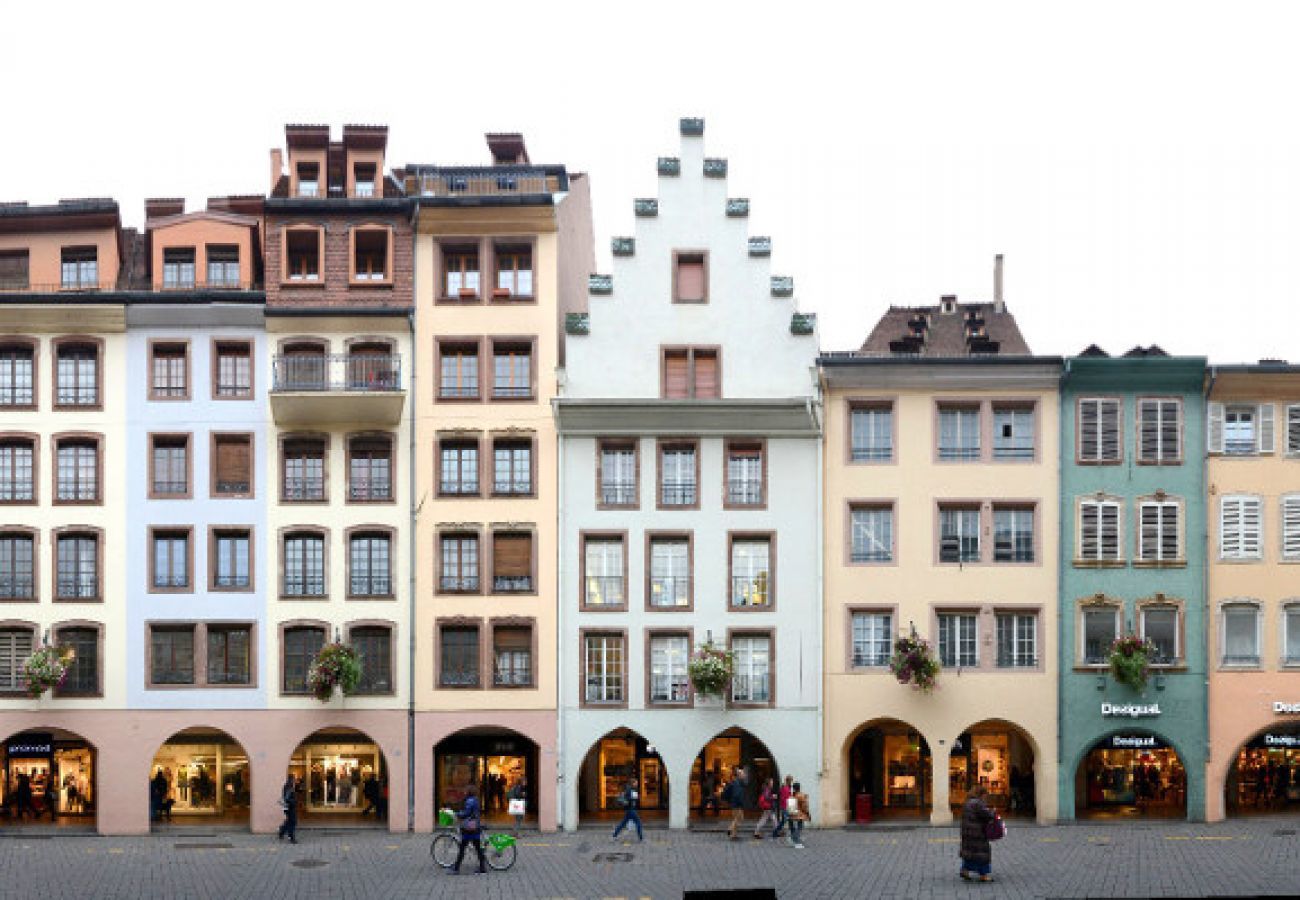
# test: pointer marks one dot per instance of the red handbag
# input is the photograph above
(995, 829)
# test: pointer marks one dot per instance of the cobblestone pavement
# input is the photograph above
(1257, 857)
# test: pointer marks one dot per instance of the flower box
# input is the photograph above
(46, 669)
(1130, 660)
(468, 294)
(501, 293)
(914, 663)
(334, 671)
(710, 669)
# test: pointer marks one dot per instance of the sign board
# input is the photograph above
(1134, 742)
(30, 745)
(1285, 709)
(1130, 710)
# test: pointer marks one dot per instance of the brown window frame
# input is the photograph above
(508, 344)
(219, 347)
(661, 446)
(383, 625)
(516, 439)
(158, 347)
(349, 454)
(514, 623)
(200, 654)
(215, 532)
(603, 444)
(354, 276)
(459, 534)
(34, 536)
(217, 437)
(33, 442)
(457, 623)
(33, 630)
(752, 536)
(474, 439)
(364, 532)
(78, 531)
(452, 249)
(186, 440)
(294, 625)
(741, 443)
(293, 437)
(619, 537)
(503, 249)
(651, 536)
(287, 278)
(160, 531)
(32, 346)
(77, 437)
(289, 532)
(57, 346)
(57, 631)
(442, 347)
(690, 256)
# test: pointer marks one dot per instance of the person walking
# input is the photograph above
(289, 803)
(709, 792)
(783, 798)
(23, 797)
(471, 831)
(734, 795)
(798, 814)
(631, 802)
(976, 853)
(767, 800)
(519, 800)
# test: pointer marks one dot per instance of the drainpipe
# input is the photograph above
(561, 784)
(411, 537)
(1061, 648)
(814, 405)
(1208, 619)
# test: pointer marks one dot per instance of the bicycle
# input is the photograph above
(498, 849)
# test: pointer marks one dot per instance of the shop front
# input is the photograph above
(1265, 776)
(615, 759)
(890, 773)
(998, 758)
(201, 775)
(494, 761)
(1129, 775)
(716, 762)
(47, 775)
(341, 773)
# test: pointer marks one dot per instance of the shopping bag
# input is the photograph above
(446, 818)
(996, 829)
(516, 807)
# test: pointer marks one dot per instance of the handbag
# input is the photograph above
(516, 807)
(995, 829)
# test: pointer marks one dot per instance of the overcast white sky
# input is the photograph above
(1138, 163)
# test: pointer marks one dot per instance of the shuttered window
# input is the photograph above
(373, 644)
(512, 651)
(512, 563)
(691, 372)
(15, 272)
(1240, 429)
(1099, 530)
(15, 647)
(300, 647)
(1099, 429)
(1293, 430)
(1291, 526)
(1159, 539)
(707, 383)
(1159, 431)
(1240, 527)
(691, 278)
(233, 464)
(677, 367)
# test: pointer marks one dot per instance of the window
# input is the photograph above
(232, 559)
(1160, 431)
(512, 467)
(459, 555)
(15, 647)
(746, 474)
(1239, 429)
(308, 179)
(959, 433)
(15, 270)
(751, 572)
(1239, 527)
(959, 534)
(514, 272)
(369, 556)
(178, 267)
(871, 433)
(77, 473)
(363, 180)
(304, 565)
(1240, 635)
(76, 375)
(1159, 534)
(604, 668)
(17, 472)
(1013, 534)
(690, 277)
(223, 266)
(677, 475)
(1099, 430)
(691, 372)
(302, 253)
(669, 682)
(171, 560)
(79, 269)
(301, 644)
(370, 254)
(370, 469)
(1290, 526)
(458, 469)
(76, 563)
(873, 639)
(1099, 531)
(512, 656)
(512, 563)
(604, 572)
(459, 372)
(670, 572)
(303, 470)
(170, 465)
(232, 465)
(958, 641)
(871, 531)
(1160, 627)
(1292, 426)
(618, 474)
(752, 681)
(459, 666)
(512, 371)
(1100, 628)
(1017, 635)
(17, 375)
(229, 654)
(1291, 635)
(374, 644)
(234, 375)
(17, 566)
(171, 654)
(1013, 432)
(82, 679)
(462, 271)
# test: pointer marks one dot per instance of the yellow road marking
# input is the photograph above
(943, 840)
(1049, 840)
(1177, 837)
(116, 850)
(1214, 837)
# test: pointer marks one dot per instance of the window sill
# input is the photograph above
(1159, 563)
(367, 283)
(757, 607)
(163, 398)
(528, 593)
(153, 589)
(514, 687)
(370, 502)
(35, 502)
(460, 495)
(232, 590)
(600, 704)
(529, 398)
(458, 301)
(1241, 667)
(738, 704)
(459, 398)
(1099, 563)
(459, 687)
(364, 597)
(304, 597)
(78, 407)
(513, 299)
(248, 496)
(7, 600)
(1240, 560)
(95, 599)
(1099, 462)
(77, 503)
(1158, 462)
(323, 501)
(512, 495)
(240, 396)
(18, 407)
(303, 283)
(603, 607)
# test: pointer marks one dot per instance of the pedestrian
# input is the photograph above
(370, 790)
(709, 792)
(767, 800)
(157, 794)
(798, 814)
(976, 853)
(519, 801)
(471, 830)
(23, 797)
(289, 803)
(734, 795)
(630, 800)
(787, 788)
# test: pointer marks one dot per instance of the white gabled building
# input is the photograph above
(690, 438)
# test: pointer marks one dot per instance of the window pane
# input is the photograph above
(959, 538)
(751, 572)
(459, 563)
(173, 655)
(1098, 635)
(872, 639)
(1013, 433)
(228, 655)
(1292, 653)
(373, 645)
(603, 667)
(17, 575)
(678, 473)
(872, 535)
(83, 674)
(618, 476)
(751, 682)
(604, 572)
(300, 647)
(1013, 535)
(1017, 636)
(670, 572)
(460, 664)
(1240, 644)
(1160, 626)
(957, 640)
(669, 682)
(959, 434)
(872, 434)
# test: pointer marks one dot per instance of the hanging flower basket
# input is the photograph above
(335, 665)
(710, 669)
(1130, 660)
(46, 668)
(914, 663)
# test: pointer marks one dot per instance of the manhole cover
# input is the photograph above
(308, 863)
(217, 846)
(1284, 832)
(612, 857)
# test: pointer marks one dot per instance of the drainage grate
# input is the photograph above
(1284, 832)
(612, 857)
(216, 846)
(308, 863)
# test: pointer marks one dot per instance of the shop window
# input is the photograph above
(302, 470)
(604, 572)
(670, 572)
(17, 566)
(169, 465)
(1240, 527)
(374, 643)
(669, 680)
(232, 459)
(17, 375)
(691, 372)
(15, 270)
(460, 264)
(959, 534)
(871, 432)
(1017, 637)
(79, 268)
(304, 565)
(1013, 432)
(746, 473)
(458, 468)
(618, 474)
(77, 474)
(370, 254)
(1013, 534)
(458, 371)
(229, 654)
(1160, 531)
(76, 563)
(17, 470)
(752, 583)
(370, 469)
(512, 563)
(512, 654)
(958, 640)
(459, 554)
(679, 475)
(178, 268)
(170, 560)
(604, 668)
(512, 371)
(1100, 628)
(82, 679)
(514, 272)
(223, 266)
(873, 639)
(16, 645)
(232, 559)
(1099, 531)
(234, 370)
(171, 656)
(871, 529)
(458, 656)
(308, 179)
(370, 565)
(752, 681)
(512, 467)
(76, 379)
(1099, 430)
(1240, 634)
(302, 254)
(690, 276)
(1160, 627)
(1160, 431)
(301, 644)
(959, 433)
(363, 180)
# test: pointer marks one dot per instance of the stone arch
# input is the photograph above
(620, 754)
(1262, 773)
(334, 764)
(1114, 782)
(713, 764)
(56, 769)
(1005, 778)
(889, 770)
(207, 779)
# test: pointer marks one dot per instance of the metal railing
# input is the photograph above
(604, 590)
(311, 586)
(512, 391)
(372, 586)
(16, 396)
(958, 453)
(512, 487)
(458, 391)
(125, 284)
(618, 493)
(170, 487)
(232, 487)
(304, 489)
(370, 490)
(231, 581)
(1242, 659)
(1023, 449)
(512, 584)
(454, 488)
(870, 658)
(171, 581)
(745, 491)
(871, 453)
(457, 583)
(337, 372)
(17, 587)
(17, 491)
(483, 182)
(512, 676)
(75, 492)
(670, 590)
(678, 493)
(747, 590)
(78, 396)
(1016, 661)
(459, 677)
(76, 586)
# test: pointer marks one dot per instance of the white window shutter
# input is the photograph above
(1293, 430)
(1229, 528)
(1214, 429)
(1264, 433)
(1251, 528)
(1291, 526)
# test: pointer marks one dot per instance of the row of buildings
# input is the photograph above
(394, 407)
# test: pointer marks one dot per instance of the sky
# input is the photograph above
(1138, 164)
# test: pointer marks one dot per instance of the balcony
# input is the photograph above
(337, 389)
(491, 181)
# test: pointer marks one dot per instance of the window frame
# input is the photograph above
(1285, 608)
(445, 343)
(70, 341)
(18, 625)
(1237, 604)
(1016, 613)
(444, 624)
(288, 533)
(730, 444)
(1015, 405)
(164, 532)
(97, 628)
(286, 438)
(391, 628)
(1035, 533)
(283, 629)
(504, 248)
(11, 342)
(1160, 500)
(288, 279)
(960, 405)
(691, 351)
(752, 536)
(366, 532)
(77, 437)
(532, 535)
(78, 531)
(464, 440)
(691, 255)
(509, 623)
(651, 537)
(439, 575)
(855, 405)
(349, 454)
(33, 535)
(186, 439)
(215, 533)
(1181, 437)
(1243, 556)
(158, 347)
(217, 346)
(1096, 603)
(963, 506)
(1100, 459)
(611, 537)
(512, 440)
(1100, 561)
(33, 442)
(199, 655)
(971, 612)
(770, 635)
(354, 278)
(519, 342)
(619, 634)
(851, 659)
(1291, 498)
(857, 505)
(651, 635)
(1163, 603)
(215, 438)
(453, 248)
(602, 444)
(661, 446)
(1291, 414)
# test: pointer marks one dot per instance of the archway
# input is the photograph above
(890, 773)
(492, 759)
(342, 779)
(1000, 756)
(717, 760)
(620, 756)
(1264, 776)
(1131, 774)
(49, 778)
(200, 776)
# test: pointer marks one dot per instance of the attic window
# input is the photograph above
(308, 179)
(690, 277)
(363, 179)
(178, 267)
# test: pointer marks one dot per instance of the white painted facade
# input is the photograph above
(611, 390)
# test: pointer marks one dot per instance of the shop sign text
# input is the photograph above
(1130, 710)
(1283, 709)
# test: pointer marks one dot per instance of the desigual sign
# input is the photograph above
(1281, 740)
(1284, 709)
(1135, 742)
(1130, 710)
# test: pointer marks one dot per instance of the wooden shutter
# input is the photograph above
(1088, 535)
(1292, 430)
(1109, 427)
(1088, 434)
(1264, 433)
(1108, 537)
(706, 374)
(676, 375)
(1251, 526)
(512, 555)
(690, 277)
(1149, 430)
(1229, 527)
(233, 461)
(1291, 527)
(1214, 428)
(1149, 532)
(1171, 432)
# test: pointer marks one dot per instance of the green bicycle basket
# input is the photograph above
(446, 818)
(500, 841)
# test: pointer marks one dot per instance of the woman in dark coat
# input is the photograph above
(976, 854)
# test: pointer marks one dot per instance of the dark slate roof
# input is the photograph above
(971, 329)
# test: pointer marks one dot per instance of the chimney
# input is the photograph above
(998, 305)
(277, 168)
(157, 207)
(507, 149)
(948, 304)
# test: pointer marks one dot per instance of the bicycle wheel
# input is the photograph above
(444, 850)
(499, 860)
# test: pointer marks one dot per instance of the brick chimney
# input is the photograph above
(157, 207)
(277, 168)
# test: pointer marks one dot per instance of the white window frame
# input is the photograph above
(960, 449)
(1289, 527)
(1177, 610)
(748, 672)
(1289, 606)
(1262, 429)
(878, 432)
(1161, 509)
(879, 515)
(1157, 428)
(1246, 549)
(960, 512)
(1115, 611)
(1017, 513)
(1016, 618)
(959, 618)
(1023, 419)
(1101, 503)
(674, 664)
(1238, 605)
(610, 692)
(878, 630)
(1111, 408)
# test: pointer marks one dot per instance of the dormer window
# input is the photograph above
(363, 180)
(308, 179)
(178, 267)
(370, 255)
(302, 247)
(223, 266)
(80, 268)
